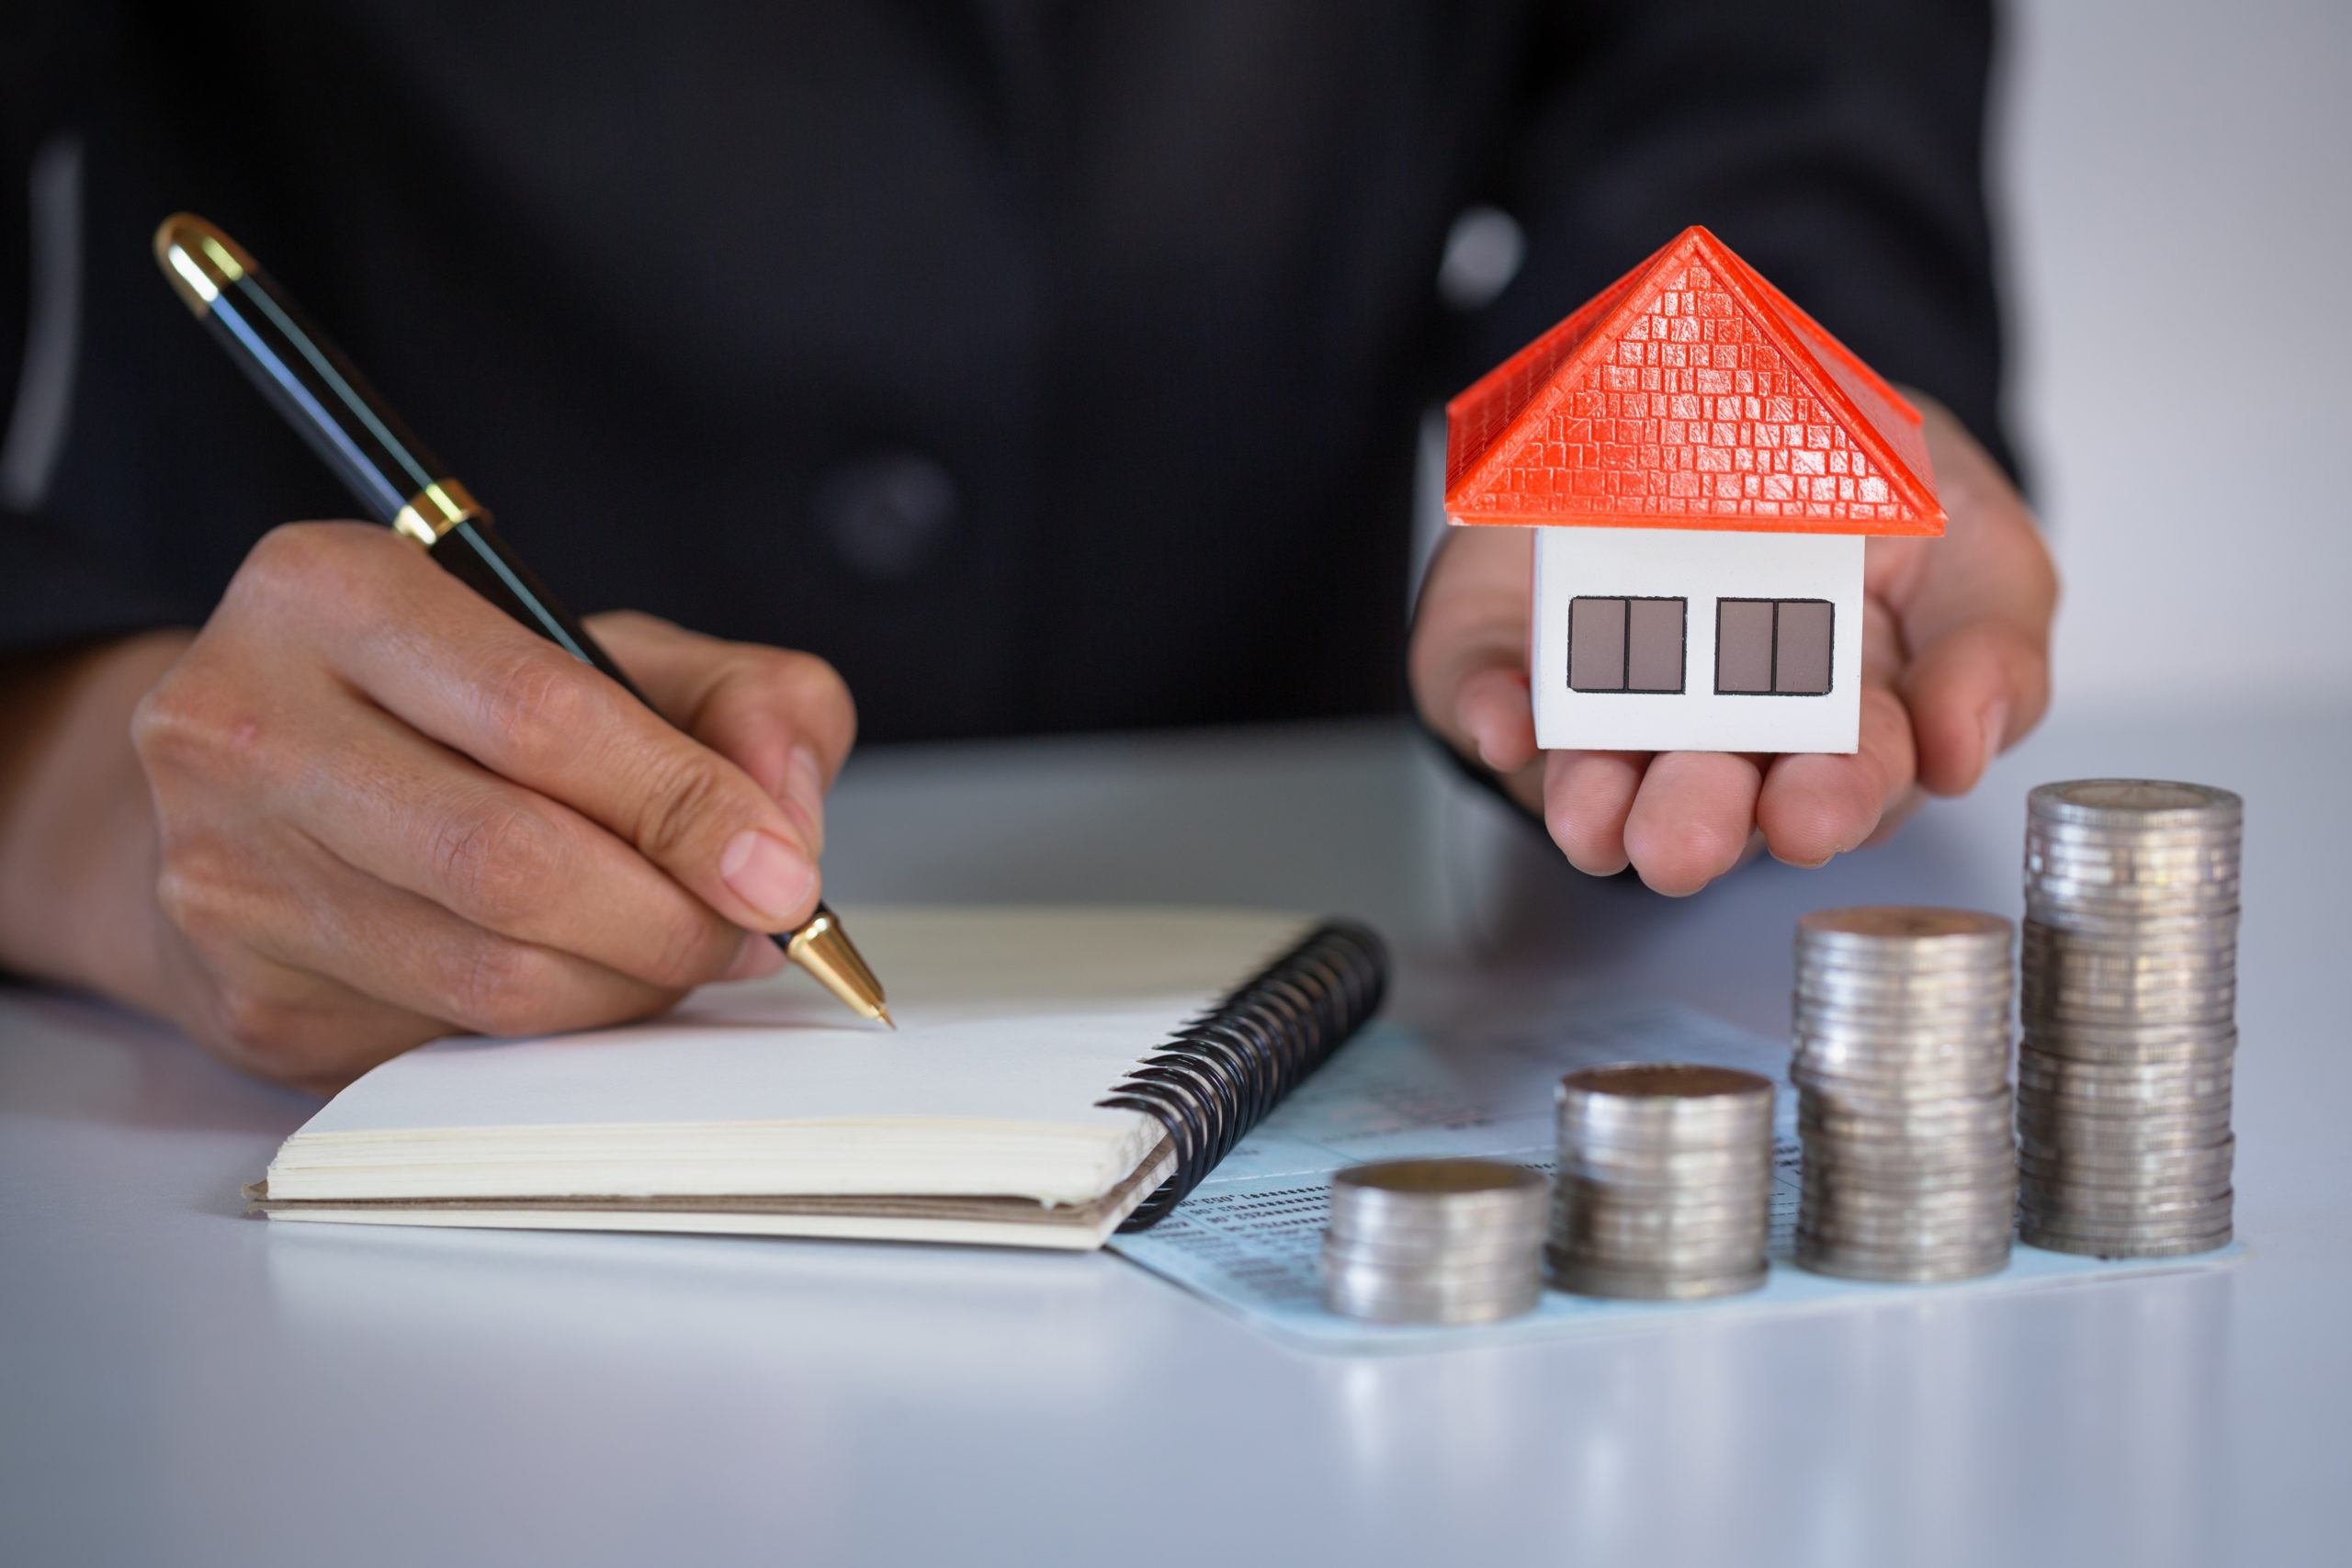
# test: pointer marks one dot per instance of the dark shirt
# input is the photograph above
(1043, 364)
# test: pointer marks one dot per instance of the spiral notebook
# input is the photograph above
(1058, 1074)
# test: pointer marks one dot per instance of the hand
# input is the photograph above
(382, 811)
(1955, 669)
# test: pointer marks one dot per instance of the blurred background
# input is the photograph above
(2173, 190)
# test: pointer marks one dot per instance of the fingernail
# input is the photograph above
(804, 789)
(1996, 727)
(756, 960)
(767, 874)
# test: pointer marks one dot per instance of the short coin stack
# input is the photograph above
(1664, 1191)
(1903, 1093)
(2129, 1012)
(1433, 1241)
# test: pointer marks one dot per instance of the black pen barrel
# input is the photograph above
(473, 553)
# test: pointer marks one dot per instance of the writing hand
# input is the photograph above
(380, 811)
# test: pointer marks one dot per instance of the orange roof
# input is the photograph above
(1690, 394)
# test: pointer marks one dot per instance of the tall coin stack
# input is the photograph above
(2128, 1008)
(1665, 1188)
(1433, 1241)
(1902, 1071)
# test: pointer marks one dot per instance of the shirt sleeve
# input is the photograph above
(1835, 145)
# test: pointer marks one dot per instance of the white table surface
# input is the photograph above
(182, 1385)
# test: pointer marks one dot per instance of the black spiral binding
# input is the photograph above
(1226, 1068)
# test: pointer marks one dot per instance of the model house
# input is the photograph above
(1700, 463)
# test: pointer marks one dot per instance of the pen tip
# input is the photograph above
(885, 1015)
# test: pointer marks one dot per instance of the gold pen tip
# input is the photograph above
(823, 949)
(884, 1014)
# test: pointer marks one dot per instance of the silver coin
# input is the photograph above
(2056, 1134)
(2215, 1048)
(1649, 1250)
(2126, 1246)
(1621, 1208)
(1734, 1144)
(2079, 1187)
(1886, 1091)
(2190, 942)
(2108, 1200)
(1424, 1252)
(1688, 1263)
(1894, 1157)
(2120, 1208)
(1466, 1267)
(1911, 925)
(1472, 1194)
(1851, 1264)
(2062, 1078)
(2144, 804)
(2063, 1013)
(2116, 1115)
(1914, 1240)
(1979, 1116)
(2181, 1215)
(1960, 991)
(1586, 1279)
(1422, 1306)
(1841, 1194)
(2093, 1202)
(2174, 1163)
(1666, 1094)
(1739, 1162)
(2097, 1224)
(1438, 1246)
(2186, 1247)
(1986, 998)
(1912, 1226)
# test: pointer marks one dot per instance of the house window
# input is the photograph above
(1775, 647)
(1625, 645)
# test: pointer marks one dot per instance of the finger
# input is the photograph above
(1972, 694)
(261, 1016)
(1468, 656)
(440, 659)
(1493, 713)
(1690, 818)
(1586, 797)
(1816, 805)
(1975, 608)
(412, 955)
(506, 860)
(785, 718)
(1906, 806)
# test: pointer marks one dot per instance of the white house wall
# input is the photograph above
(1700, 567)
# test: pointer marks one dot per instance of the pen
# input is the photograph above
(346, 422)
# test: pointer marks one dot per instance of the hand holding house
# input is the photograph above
(1701, 462)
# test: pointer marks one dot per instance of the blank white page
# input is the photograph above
(1009, 1015)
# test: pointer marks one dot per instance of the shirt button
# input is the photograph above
(885, 515)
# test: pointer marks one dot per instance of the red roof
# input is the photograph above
(1690, 394)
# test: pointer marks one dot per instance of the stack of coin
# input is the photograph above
(2129, 1010)
(1902, 1070)
(1664, 1191)
(1433, 1241)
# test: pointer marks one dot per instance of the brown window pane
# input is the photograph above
(1653, 646)
(1801, 667)
(1743, 644)
(1596, 644)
